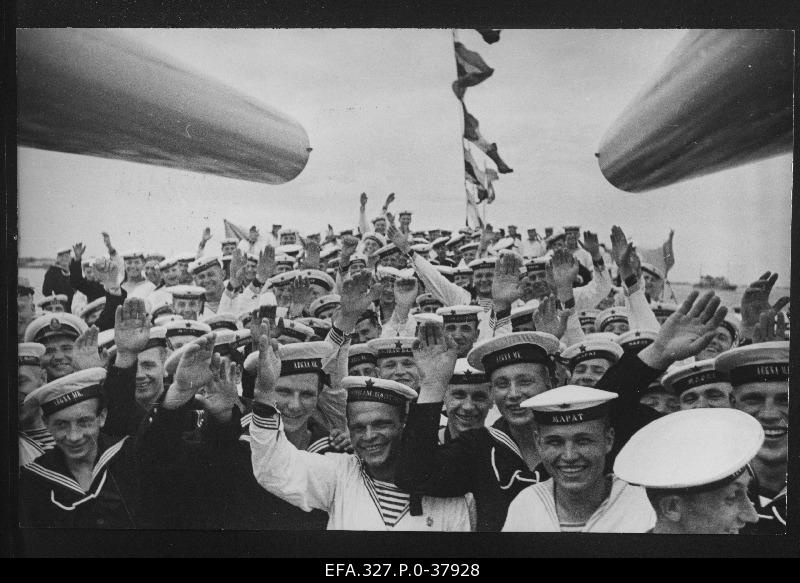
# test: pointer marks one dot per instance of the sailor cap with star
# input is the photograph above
(93, 307)
(502, 244)
(284, 259)
(428, 299)
(569, 404)
(317, 277)
(695, 450)
(325, 302)
(663, 310)
(186, 257)
(524, 314)
(291, 249)
(483, 263)
(186, 292)
(652, 270)
(361, 354)
(243, 339)
(167, 263)
(592, 348)
(204, 263)
(68, 390)
(588, 317)
(54, 324)
(387, 272)
(386, 251)
(224, 320)
(52, 299)
(282, 279)
(376, 390)
(513, 348)
(556, 235)
(229, 241)
(180, 327)
(105, 339)
(463, 269)
(611, 316)
(439, 241)
(164, 319)
(635, 340)
(390, 347)
(30, 353)
(681, 378)
(468, 247)
(62, 250)
(321, 327)
(294, 329)
(464, 374)
(458, 314)
(537, 265)
(301, 358)
(755, 363)
(377, 237)
(133, 254)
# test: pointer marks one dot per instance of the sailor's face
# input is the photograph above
(526, 287)
(387, 290)
(653, 286)
(587, 373)
(370, 246)
(89, 273)
(483, 279)
(575, 454)
(282, 268)
(152, 272)
(464, 334)
(250, 270)
(616, 328)
(252, 236)
(559, 244)
(149, 376)
(402, 369)
(375, 432)
(663, 402)
(468, 255)
(713, 395)
(723, 340)
(54, 307)
(296, 398)
(515, 383)
(133, 267)
(25, 311)
(62, 260)
(228, 248)
(571, 240)
(725, 510)
(356, 267)
(366, 369)
(211, 279)
(76, 429)
(462, 280)
(172, 275)
(768, 402)
(588, 327)
(405, 220)
(57, 359)
(185, 276)
(326, 313)
(366, 331)
(288, 239)
(380, 226)
(188, 308)
(467, 406)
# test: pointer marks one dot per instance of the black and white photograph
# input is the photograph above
(404, 280)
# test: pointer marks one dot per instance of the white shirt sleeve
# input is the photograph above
(591, 294)
(445, 291)
(642, 316)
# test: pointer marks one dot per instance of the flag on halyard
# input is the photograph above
(471, 70)
(473, 134)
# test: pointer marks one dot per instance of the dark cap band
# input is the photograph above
(469, 378)
(362, 358)
(695, 380)
(522, 319)
(732, 329)
(28, 360)
(584, 320)
(292, 333)
(760, 373)
(519, 353)
(455, 318)
(184, 332)
(571, 417)
(614, 319)
(590, 354)
(319, 282)
(155, 342)
(375, 395)
(637, 345)
(223, 325)
(300, 366)
(69, 399)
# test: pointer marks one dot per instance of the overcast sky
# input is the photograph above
(381, 117)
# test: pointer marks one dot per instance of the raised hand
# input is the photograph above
(770, 327)
(686, 332)
(78, 249)
(196, 369)
(107, 272)
(564, 270)
(340, 441)
(669, 256)
(363, 200)
(107, 242)
(131, 326)
(311, 257)
(405, 292)
(266, 264)
(85, 353)
(630, 264)
(591, 244)
(619, 244)
(357, 295)
(399, 239)
(349, 245)
(548, 318)
(507, 285)
(220, 395)
(435, 354)
(269, 366)
(237, 267)
(205, 236)
(389, 200)
(301, 294)
(756, 300)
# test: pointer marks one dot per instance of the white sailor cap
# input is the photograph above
(464, 374)
(377, 237)
(105, 339)
(483, 263)
(386, 272)
(468, 247)
(93, 307)
(652, 270)
(88, 261)
(321, 327)
(733, 324)
(54, 324)
(763, 362)
(386, 251)
(636, 340)
(186, 292)
(392, 347)
(62, 250)
(572, 229)
(610, 316)
(423, 317)
(167, 263)
(592, 348)
(329, 252)
(569, 404)
(133, 254)
(517, 347)
(158, 338)
(300, 358)
(664, 310)
(287, 231)
(68, 390)
(325, 302)
(180, 328)
(294, 329)
(243, 338)
(378, 218)
(681, 378)
(557, 234)
(284, 260)
(463, 269)
(446, 270)
(586, 317)
(427, 299)
(505, 243)
(204, 263)
(455, 239)
(404, 213)
(358, 258)
(439, 241)
(690, 451)
(377, 390)
(361, 354)
(52, 299)
(420, 246)
(292, 249)
(282, 279)
(524, 314)
(457, 314)
(220, 321)
(30, 353)
(251, 257)
(186, 257)
(317, 277)
(229, 241)
(166, 318)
